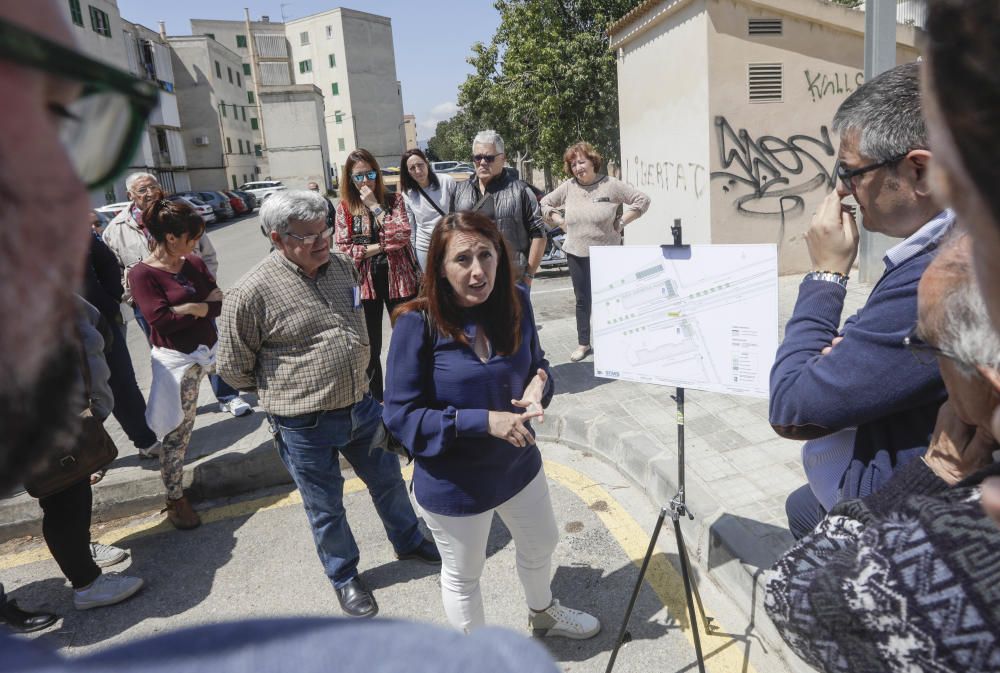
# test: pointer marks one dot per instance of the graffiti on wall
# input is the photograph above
(669, 176)
(821, 84)
(770, 174)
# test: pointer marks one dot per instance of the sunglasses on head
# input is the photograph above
(361, 177)
(488, 158)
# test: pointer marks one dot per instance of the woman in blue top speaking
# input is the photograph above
(466, 376)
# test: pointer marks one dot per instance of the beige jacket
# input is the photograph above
(130, 246)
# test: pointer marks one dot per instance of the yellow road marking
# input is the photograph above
(721, 657)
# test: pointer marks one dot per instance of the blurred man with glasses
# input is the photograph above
(294, 330)
(507, 201)
(863, 403)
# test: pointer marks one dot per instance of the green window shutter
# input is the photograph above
(76, 12)
(259, 151)
(246, 69)
(335, 88)
(241, 41)
(338, 116)
(305, 66)
(333, 61)
(254, 124)
(250, 97)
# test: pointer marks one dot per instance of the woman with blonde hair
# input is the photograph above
(373, 228)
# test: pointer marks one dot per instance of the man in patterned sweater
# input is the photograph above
(908, 579)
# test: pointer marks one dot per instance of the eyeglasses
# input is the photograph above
(142, 191)
(488, 158)
(361, 177)
(847, 175)
(924, 352)
(310, 239)
(101, 130)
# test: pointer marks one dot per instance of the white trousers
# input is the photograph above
(461, 540)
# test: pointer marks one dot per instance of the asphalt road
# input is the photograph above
(254, 557)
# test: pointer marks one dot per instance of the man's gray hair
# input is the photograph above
(886, 113)
(139, 175)
(964, 329)
(489, 137)
(300, 205)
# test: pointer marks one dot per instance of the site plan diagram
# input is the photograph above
(699, 316)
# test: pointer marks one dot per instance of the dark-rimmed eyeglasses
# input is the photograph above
(102, 128)
(924, 352)
(361, 177)
(310, 239)
(846, 175)
(488, 158)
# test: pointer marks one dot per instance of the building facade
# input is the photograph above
(410, 131)
(216, 113)
(296, 131)
(725, 108)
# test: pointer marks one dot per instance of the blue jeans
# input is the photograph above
(223, 391)
(310, 446)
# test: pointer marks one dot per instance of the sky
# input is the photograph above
(432, 38)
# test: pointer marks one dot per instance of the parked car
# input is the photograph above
(239, 207)
(262, 188)
(220, 204)
(444, 166)
(199, 206)
(248, 199)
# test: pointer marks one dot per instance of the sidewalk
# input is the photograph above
(738, 470)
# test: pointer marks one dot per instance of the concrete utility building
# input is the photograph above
(296, 134)
(725, 109)
(216, 116)
(410, 131)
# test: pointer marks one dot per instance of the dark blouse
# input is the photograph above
(156, 290)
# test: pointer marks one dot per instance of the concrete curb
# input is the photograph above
(722, 548)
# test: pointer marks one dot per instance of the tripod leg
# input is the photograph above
(688, 584)
(635, 591)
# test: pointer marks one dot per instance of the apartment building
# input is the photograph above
(410, 131)
(216, 113)
(349, 56)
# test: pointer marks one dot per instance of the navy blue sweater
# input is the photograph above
(868, 380)
(438, 395)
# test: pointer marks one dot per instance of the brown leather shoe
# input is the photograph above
(181, 514)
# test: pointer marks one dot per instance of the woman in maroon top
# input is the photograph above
(179, 298)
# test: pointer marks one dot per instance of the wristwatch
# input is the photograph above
(376, 211)
(828, 276)
(530, 275)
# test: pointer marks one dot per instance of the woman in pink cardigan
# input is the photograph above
(373, 228)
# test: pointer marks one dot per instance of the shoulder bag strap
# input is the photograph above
(430, 201)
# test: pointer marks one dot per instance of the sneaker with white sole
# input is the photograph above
(108, 589)
(236, 406)
(105, 555)
(557, 620)
(151, 451)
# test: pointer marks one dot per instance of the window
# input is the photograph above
(230, 74)
(333, 61)
(329, 32)
(305, 66)
(250, 97)
(224, 111)
(100, 22)
(304, 38)
(335, 88)
(244, 115)
(239, 142)
(338, 117)
(229, 145)
(247, 142)
(236, 111)
(764, 82)
(254, 124)
(235, 185)
(256, 169)
(241, 41)
(211, 35)
(239, 82)
(218, 70)
(259, 151)
(246, 69)
(76, 12)
(340, 144)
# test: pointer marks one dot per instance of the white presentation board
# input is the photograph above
(702, 317)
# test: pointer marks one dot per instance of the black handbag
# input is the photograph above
(92, 451)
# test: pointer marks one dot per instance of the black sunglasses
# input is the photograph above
(101, 129)
(488, 158)
(846, 175)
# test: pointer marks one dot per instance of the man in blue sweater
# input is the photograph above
(864, 404)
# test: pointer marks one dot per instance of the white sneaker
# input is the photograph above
(151, 451)
(557, 620)
(236, 406)
(108, 589)
(105, 555)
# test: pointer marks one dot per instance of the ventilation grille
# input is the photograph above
(764, 82)
(764, 26)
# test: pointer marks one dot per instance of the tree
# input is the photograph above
(548, 78)
(453, 138)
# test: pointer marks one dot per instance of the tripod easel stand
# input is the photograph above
(676, 509)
